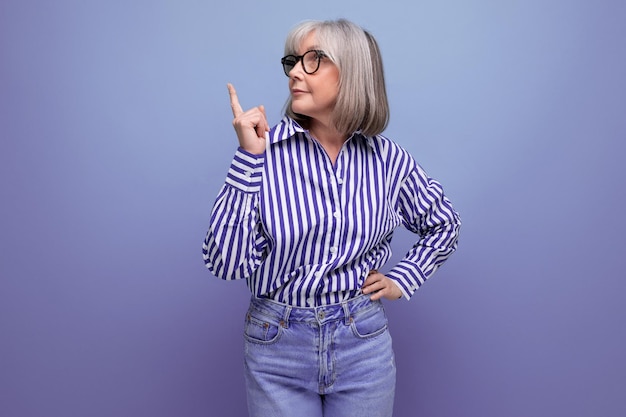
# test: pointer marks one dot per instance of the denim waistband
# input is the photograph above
(284, 313)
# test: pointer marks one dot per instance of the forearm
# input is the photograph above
(425, 257)
(234, 244)
(429, 213)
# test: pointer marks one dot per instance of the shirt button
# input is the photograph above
(248, 173)
(336, 215)
(333, 249)
(318, 274)
(340, 180)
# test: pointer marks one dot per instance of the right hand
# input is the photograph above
(251, 126)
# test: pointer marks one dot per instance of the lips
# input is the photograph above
(296, 91)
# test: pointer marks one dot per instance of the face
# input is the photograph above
(314, 95)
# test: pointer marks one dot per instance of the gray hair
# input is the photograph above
(362, 99)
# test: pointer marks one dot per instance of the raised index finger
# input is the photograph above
(234, 101)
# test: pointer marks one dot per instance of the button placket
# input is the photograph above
(335, 181)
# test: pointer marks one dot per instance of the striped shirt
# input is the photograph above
(305, 232)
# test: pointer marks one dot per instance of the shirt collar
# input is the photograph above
(287, 128)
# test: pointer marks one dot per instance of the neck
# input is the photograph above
(330, 139)
(326, 134)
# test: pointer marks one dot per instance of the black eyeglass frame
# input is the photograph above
(300, 58)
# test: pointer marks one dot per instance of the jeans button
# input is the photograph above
(321, 315)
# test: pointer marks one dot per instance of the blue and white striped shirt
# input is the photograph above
(305, 232)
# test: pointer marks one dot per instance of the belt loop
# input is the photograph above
(285, 321)
(347, 318)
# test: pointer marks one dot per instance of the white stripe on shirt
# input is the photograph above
(304, 232)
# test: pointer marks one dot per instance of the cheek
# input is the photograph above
(334, 88)
(334, 83)
(329, 90)
(333, 93)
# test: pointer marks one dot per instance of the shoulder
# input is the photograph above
(392, 153)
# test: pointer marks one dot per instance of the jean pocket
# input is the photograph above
(259, 329)
(368, 325)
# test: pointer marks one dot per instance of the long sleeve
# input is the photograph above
(426, 211)
(235, 243)
(305, 231)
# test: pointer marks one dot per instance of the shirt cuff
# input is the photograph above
(406, 281)
(246, 171)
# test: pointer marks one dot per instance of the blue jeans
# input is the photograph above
(332, 361)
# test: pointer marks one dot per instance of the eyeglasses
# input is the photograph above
(310, 61)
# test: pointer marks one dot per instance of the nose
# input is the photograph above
(297, 70)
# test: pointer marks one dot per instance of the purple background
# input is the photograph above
(116, 136)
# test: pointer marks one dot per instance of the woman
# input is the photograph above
(306, 216)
